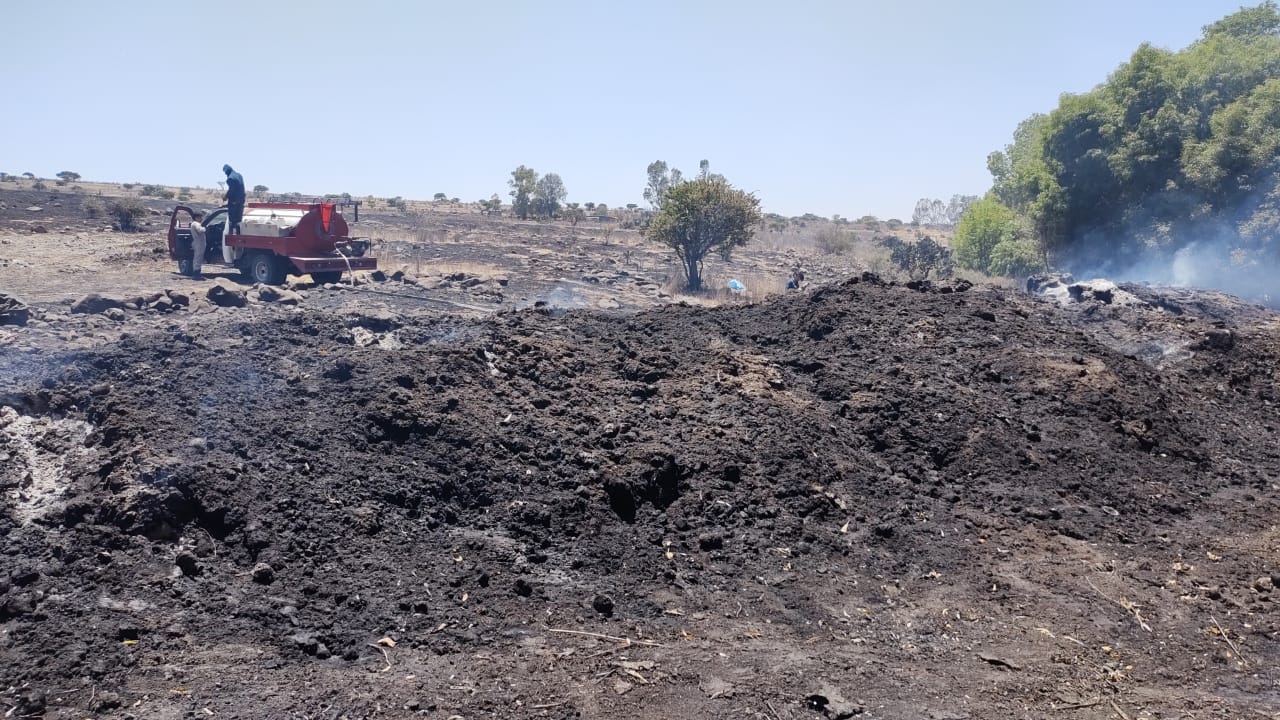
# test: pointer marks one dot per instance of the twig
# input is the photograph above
(1079, 705)
(1230, 644)
(385, 657)
(1116, 707)
(548, 705)
(628, 641)
(776, 716)
(1131, 608)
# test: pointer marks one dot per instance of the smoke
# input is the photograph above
(1204, 252)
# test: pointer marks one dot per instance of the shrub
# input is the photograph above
(92, 208)
(127, 186)
(920, 258)
(126, 213)
(833, 241)
(39, 185)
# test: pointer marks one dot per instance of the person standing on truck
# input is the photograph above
(235, 199)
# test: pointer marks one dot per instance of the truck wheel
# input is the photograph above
(331, 276)
(265, 268)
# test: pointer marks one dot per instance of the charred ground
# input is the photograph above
(868, 499)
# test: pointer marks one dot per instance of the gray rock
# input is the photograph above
(224, 294)
(263, 573)
(13, 311)
(95, 303)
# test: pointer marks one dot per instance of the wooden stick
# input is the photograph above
(1120, 712)
(614, 638)
(1230, 644)
(385, 657)
(776, 716)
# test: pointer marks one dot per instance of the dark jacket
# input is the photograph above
(235, 188)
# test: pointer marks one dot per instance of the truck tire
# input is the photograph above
(264, 267)
(330, 276)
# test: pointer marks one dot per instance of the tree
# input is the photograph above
(703, 216)
(548, 193)
(260, 189)
(929, 212)
(492, 206)
(29, 176)
(661, 179)
(68, 176)
(574, 214)
(986, 225)
(440, 197)
(523, 182)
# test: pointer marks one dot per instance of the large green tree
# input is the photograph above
(700, 217)
(1172, 148)
(523, 182)
(548, 193)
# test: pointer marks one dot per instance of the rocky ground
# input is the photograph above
(869, 499)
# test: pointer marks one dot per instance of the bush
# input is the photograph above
(920, 258)
(157, 191)
(833, 241)
(127, 186)
(126, 214)
(92, 208)
(39, 185)
(1015, 258)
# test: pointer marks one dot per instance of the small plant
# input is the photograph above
(92, 208)
(39, 185)
(127, 213)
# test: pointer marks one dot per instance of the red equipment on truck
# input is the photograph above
(277, 240)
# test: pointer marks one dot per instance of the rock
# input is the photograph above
(40, 230)
(263, 573)
(1264, 584)
(1219, 339)
(35, 208)
(20, 604)
(95, 303)
(114, 314)
(13, 311)
(376, 320)
(179, 299)
(270, 294)
(522, 587)
(378, 276)
(162, 304)
(187, 563)
(603, 604)
(107, 701)
(24, 576)
(306, 642)
(713, 540)
(714, 687)
(830, 702)
(224, 294)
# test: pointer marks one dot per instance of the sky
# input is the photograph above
(846, 107)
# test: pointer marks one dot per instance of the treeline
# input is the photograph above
(1176, 153)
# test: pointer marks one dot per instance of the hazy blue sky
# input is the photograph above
(817, 106)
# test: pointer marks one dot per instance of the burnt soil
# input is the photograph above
(865, 500)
